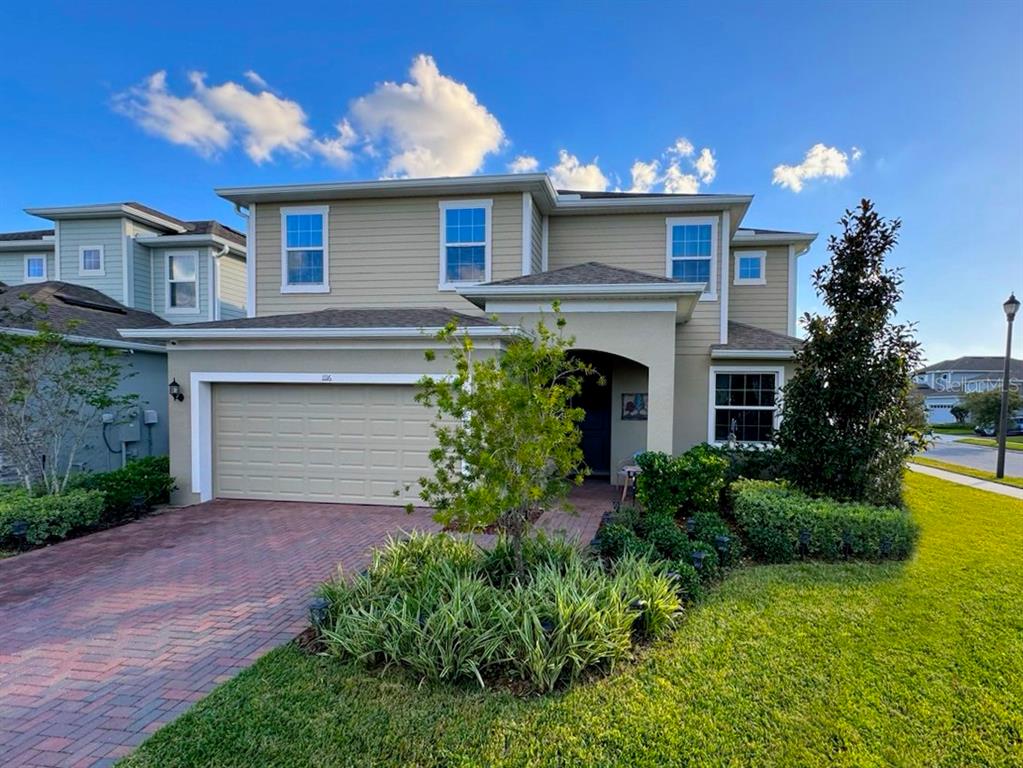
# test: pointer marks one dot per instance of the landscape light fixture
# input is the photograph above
(175, 390)
(1011, 307)
(698, 556)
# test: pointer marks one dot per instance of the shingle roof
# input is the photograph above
(211, 227)
(94, 315)
(588, 194)
(590, 273)
(742, 336)
(353, 318)
(977, 363)
(31, 234)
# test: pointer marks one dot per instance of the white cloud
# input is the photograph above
(336, 150)
(644, 175)
(677, 182)
(186, 121)
(266, 122)
(857, 153)
(431, 126)
(820, 162)
(682, 147)
(706, 166)
(253, 77)
(569, 173)
(524, 164)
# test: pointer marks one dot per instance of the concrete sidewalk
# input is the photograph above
(973, 482)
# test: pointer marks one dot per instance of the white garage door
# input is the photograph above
(319, 442)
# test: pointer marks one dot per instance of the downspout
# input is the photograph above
(215, 258)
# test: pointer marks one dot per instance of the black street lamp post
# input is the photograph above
(1011, 307)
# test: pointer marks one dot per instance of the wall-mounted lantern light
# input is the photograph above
(175, 390)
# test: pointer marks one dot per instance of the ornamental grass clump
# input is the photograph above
(446, 610)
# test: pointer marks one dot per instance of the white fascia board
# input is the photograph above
(802, 240)
(753, 354)
(111, 343)
(623, 290)
(310, 333)
(177, 241)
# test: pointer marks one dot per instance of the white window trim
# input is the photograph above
(167, 308)
(779, 382)
(82, 271)
(201, 410)
(44, 278)
(711, 293)
(761, 256)
(445, 205)
(324, 211)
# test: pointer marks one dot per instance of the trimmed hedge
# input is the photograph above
(684, 484)
(131, 490)
(781, 524)
(48, 518)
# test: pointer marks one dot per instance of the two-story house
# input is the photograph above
(109, 266)
(689, 316)
(942, 385)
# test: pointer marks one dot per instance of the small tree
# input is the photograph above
(848, 419)
(959, 412)
(53, 393)
(985, 407)
(508, 438)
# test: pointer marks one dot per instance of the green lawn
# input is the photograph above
(953, 429)
(907, 664)
(1013, 443)
(981, 474)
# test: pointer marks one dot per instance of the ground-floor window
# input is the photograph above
(745, 404)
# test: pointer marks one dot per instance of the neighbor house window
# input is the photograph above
(183, 281)
(304, 242)
(35, 269)
(749, 268)
(90, 260)
(464, 242)
(691, 252)
(744, 405)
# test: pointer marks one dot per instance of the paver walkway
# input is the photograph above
(105, 638)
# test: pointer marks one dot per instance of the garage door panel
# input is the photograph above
(337, 442)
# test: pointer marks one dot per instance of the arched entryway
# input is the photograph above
(615, 426)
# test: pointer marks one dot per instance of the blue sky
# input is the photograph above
(916, 105)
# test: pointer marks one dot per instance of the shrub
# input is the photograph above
(667, 538)
(781, 523)
(430, 604)
(752, 462)
(539, 550)
(708, 526)
(131, 490)
(49, 518)
(691, 482)
(617, 539)
(688, 584)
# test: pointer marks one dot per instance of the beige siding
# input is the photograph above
(536, 254)
(382, 253)
(232, 287)
(765, 306)
(631, 241)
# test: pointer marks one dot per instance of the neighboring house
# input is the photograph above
(943, 384)
(123, 265)
(182, 271)
(690, 317)
(93, 317)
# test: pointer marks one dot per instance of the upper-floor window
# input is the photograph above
(183, 281)
(304, 246)
(464, 242)
(35, 269)
(744, 404)
(691, 249)
(90, 260)
(749, 268)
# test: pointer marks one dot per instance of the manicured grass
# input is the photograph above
(1011, 443)
(980, 474)
(909, 664)
(953, 429)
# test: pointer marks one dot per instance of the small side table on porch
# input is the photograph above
(630, 472)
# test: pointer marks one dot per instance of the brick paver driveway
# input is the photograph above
(105, 638)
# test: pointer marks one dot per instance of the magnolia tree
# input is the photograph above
(53, 394)
(849, 421)
(508, 438)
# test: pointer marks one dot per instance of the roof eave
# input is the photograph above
(178, 333)
(753, 354)
(597, 290)
(105, 211)
(172, 241)
(26, 245)
(101, 342)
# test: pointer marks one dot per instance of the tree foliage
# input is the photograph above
(53, 394)
(848, 421)
(985, 407)
(508, 438)
(960, 413)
